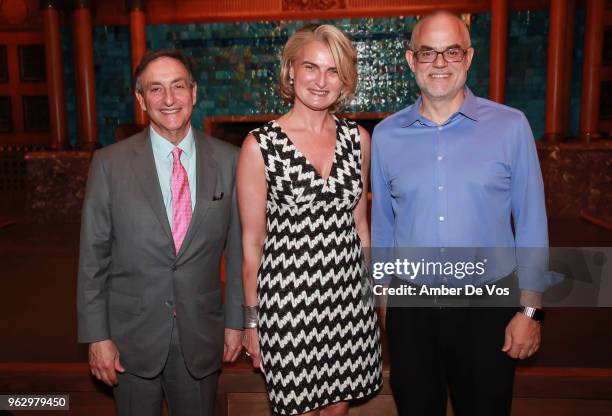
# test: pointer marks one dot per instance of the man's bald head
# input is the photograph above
(437, 19)
(443, 36)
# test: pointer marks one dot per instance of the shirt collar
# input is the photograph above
(163, 147)
(469, 108)
(413, 114)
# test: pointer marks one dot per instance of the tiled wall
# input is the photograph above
(527, 60)
(112, 64)
(238, 66)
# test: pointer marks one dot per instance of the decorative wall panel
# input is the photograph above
(32, 63)
(6, 115)
(301, 5)
(35, 113)
(4, 73)
(238, 65)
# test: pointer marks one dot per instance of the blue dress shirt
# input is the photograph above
(457, 185)
(162, 153)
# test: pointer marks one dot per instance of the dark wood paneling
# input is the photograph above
(32, 63)
(607, 48)
(608, 17)
(556, 407)
(35, 113)
(6, 114)
(4, 75)
(605, 100)
(605, 125)
(20, 15)
(564, 383)
(17, 89)
(538, 391)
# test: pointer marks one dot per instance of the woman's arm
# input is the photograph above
(251, 187)
(361, 210)
(361, 216)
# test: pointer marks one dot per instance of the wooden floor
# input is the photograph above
(38, 350)
(538, 391)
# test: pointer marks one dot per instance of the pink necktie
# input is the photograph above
(181, 200)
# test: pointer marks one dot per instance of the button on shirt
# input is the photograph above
(162, 153)
(457, 184)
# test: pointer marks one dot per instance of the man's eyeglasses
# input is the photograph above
(450, 55)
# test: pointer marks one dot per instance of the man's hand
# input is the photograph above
(522, 337)
(233, 344)
(251, 343)
(104, 361)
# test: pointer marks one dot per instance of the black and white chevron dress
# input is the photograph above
(318, 330)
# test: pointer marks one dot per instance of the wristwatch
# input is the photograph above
(534, 313)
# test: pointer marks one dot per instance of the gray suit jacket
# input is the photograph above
(130, 278)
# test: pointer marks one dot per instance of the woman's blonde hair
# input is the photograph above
(341, 49)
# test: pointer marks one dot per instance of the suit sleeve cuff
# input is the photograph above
(233, 317)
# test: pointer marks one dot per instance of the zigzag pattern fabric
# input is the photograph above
(318, 330)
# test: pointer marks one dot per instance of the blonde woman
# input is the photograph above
(302, 192)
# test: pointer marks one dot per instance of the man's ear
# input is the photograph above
(468, 58)
(410, 58)
(141, 101)
(194, 93)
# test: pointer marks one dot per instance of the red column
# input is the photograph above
(84, 75)
(499, 43)
(138, 39)
(55, 75)
(591, 70)
(567, 66)
(555, 125)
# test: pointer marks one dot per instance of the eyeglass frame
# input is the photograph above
(464, 50)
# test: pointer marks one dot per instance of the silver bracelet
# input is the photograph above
(250, 316)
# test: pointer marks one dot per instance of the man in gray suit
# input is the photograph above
(159, 211)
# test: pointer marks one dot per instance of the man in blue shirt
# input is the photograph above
(452, 170)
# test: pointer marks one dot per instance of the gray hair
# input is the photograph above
(162, 53)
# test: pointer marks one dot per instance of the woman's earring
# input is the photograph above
(290, 81)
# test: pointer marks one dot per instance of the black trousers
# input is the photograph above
(435, 351)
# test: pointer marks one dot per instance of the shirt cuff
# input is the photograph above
(538, 280)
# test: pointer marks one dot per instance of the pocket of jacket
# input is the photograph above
(211, 301)
(118, 301)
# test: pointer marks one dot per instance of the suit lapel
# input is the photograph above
(146, 173)
(206, 171)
